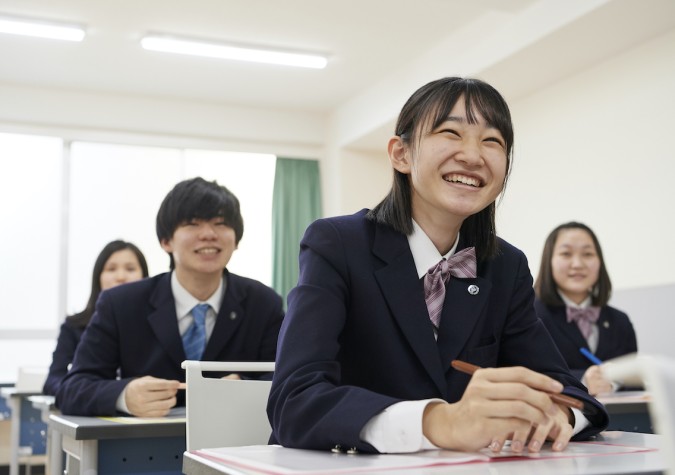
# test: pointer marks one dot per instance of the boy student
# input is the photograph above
(199, 310)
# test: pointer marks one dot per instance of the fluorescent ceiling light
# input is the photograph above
(41, 29)
(172, 44)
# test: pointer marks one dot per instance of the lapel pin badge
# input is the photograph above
(233, 315)
(605, 324)
(473, 289)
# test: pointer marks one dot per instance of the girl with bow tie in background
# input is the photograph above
(573, 290)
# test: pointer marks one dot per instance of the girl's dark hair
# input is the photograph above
(82, 319)
(197, 198)
(425, 110)
(546, 288)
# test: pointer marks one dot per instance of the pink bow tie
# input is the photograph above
(461, 264)
(584, 318)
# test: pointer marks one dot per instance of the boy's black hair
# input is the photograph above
(197, 198)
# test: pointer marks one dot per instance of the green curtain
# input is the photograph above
(296, 202)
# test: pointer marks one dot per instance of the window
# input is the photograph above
(60, 209)
(31, 238)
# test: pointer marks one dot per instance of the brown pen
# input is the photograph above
(469, 368)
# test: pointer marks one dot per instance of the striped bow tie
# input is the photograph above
(584, 318)
(462, 264)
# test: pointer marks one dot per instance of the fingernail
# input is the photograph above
(556, 386)
(558, 446)
(535, 445)
(517, 446)
(495, 446)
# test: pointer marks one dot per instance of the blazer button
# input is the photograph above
(473, 289)
(233, 315)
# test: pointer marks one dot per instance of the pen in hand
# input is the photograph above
(567, 401)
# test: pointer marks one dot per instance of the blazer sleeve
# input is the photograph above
(268, 307)
(308, 407)
(265, 307)
(66, 344)
(91, 387)
(525, 336)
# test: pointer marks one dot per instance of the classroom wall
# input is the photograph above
(366, 179)
(597, 147)
(652, 314)
(155, 121)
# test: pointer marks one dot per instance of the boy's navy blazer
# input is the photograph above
(357, 336)
(134, 330)
(616, 335)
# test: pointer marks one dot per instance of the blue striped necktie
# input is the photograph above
(194, 339)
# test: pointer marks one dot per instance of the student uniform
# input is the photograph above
(616, 336)
(135, 331)
(357, 336)
(66, 344)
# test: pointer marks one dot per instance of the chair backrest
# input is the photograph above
(224, 412)
(30, 379)
(657, 373)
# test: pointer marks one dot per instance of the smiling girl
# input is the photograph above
(573, 288)
(365, 350)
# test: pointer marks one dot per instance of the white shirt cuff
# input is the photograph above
(121, 404)
(580, 421)
(398, 428)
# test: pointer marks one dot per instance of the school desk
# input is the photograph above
(95, 445)
(27, 441)
(646, 462)
(628, 411)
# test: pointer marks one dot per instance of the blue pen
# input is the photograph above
(591, 357)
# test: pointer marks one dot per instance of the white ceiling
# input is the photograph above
(372, 44)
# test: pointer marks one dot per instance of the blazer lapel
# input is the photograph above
(605, 338)
(464, 305)
(164, 321)
(229, 318)
(404, 294)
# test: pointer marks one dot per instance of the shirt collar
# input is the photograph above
(185, 301)
(423, 250)
(585, 304)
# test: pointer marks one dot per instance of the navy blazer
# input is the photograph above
(357, 336)
(616, 335)
(66, 344)
(134, 332)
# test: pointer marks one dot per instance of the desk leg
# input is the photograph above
(54, 453)
(54, 464)
(85, 451)
(14, 404)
